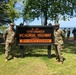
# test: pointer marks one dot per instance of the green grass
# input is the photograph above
(36, 62)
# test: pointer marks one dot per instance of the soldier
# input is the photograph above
(9, 37)
(64, 31)
(74, 33)
(59, 37)
(49, 24)
(68, 33)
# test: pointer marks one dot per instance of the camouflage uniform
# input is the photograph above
(59, 36)
(9, 37)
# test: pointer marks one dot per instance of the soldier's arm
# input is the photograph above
(4, 35)
(63, 34)
(15, 34)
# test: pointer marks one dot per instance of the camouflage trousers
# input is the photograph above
(10, 49)
(58, 51)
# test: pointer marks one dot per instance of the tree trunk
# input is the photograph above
(45, 13)
(56, 19)
(23, 21)
(45, 18)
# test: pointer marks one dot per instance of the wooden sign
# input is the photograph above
(35, 35)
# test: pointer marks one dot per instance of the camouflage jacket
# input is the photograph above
(59, 36)
(9, 35)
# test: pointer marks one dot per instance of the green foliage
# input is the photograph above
(2, 28)
(2, 13)
(11, 11)
(8, 12)
(51, 9)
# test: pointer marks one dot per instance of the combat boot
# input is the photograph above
(14, 58)
(6, 60)
(60, 62)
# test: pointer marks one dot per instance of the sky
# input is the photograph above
(71, 23)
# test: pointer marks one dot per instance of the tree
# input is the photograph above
(34, 9)
(2, 13)
(50, 9)
(11, 12)
(8, 13)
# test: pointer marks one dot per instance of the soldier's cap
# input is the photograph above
(11, 24)
(57, 25)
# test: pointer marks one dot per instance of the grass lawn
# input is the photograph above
(36, 62)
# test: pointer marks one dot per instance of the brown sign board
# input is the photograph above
(35, 35)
